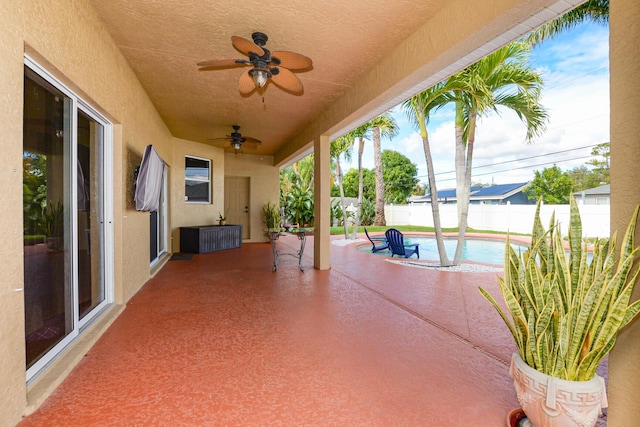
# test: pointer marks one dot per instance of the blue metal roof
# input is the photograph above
(497, 190)
(451, 192)
(477, 191)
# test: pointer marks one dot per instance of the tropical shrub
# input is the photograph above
(367, 212)
(299, 205)
(336, 212)
(34, 191)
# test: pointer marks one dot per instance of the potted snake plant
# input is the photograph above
(271, 216)
(564, 313)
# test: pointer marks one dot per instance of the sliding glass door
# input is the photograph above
(90, 214)
(66, 161)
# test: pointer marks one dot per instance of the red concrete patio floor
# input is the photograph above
(223, 340)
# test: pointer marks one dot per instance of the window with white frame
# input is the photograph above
(197, 180)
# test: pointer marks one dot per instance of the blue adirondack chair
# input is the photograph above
(395, 240)
(378, 243)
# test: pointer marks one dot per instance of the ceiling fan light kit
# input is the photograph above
(260, 76)
(266, 65)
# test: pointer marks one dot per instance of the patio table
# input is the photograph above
(274, 235)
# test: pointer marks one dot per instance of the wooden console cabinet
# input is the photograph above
(209, 238)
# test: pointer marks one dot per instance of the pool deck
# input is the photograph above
(223, 340)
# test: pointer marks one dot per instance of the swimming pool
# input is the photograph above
(488, 251)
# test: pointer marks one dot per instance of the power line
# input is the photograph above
(524, 158)
(522, 167)
(507, 162)
(578, 77)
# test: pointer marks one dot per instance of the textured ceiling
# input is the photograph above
(164, 40)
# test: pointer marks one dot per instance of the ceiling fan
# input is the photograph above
(266, 65)
(235, 140)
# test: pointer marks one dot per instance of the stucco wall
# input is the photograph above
(67, 38)
(185, 214)
(13, 392)
(264, 179)
(624, 54)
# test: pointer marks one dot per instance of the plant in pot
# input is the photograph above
(222, 219)
(271, 217)
(52, 222)
(564, 315)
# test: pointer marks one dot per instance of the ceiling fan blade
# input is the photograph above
(245, 46)
(288, 81)
(227, 144)
(292, 61)
(220, 63)
(249, 145)
(246, 84)
(252, 140)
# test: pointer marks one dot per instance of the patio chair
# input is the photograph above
(378, 243)
(395, 240)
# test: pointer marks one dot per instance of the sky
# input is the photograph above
(575, 69)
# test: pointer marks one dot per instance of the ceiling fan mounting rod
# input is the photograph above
(259, 38)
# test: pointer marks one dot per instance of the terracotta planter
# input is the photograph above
(552, 402)
(516, 416)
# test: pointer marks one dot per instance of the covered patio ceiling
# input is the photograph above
(368, 55)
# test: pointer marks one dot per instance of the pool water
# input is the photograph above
(486, 251)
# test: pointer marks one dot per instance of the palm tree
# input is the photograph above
(501, 79)
(304, 168)
(360, 133)
(383, 125)
(593, 10)
(342, 147)
(418, 110)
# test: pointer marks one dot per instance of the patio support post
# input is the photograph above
(624, 59)
(322, 205)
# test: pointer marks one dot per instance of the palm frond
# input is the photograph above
(593, 10)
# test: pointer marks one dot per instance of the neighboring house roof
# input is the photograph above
(449, 193)
(500, 191)
(603, 190)
(414, 198)
(493, 192)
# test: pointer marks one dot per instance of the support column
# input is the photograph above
(322, 206)
(624, 57)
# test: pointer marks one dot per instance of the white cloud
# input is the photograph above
(576, 96)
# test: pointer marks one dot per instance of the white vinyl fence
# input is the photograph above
(514, 218)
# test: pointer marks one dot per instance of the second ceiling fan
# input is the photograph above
(236, 140)
(266, 65)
